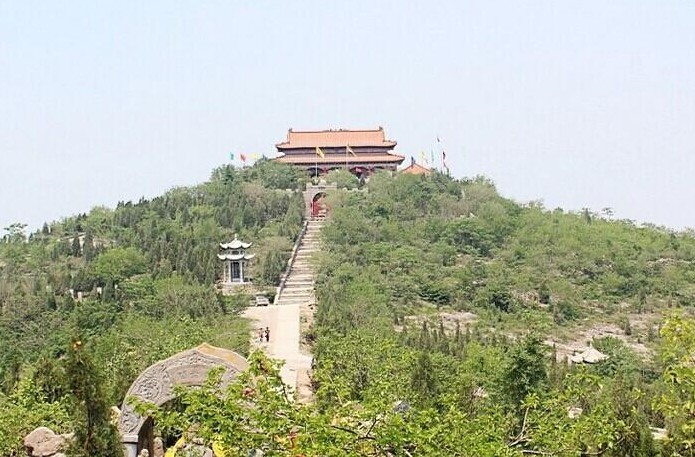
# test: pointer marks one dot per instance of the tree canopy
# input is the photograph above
(445, 317)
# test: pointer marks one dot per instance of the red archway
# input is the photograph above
(319, 207)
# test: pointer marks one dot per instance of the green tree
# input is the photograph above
(343, 179)
(118, 264)
(526, 370)
(423, 380)
(677, 402)
(94, 432)
(88, 246)
(76, 248)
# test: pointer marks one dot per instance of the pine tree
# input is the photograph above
(94, 433)
(88, 247)
(422, 381)
(76, 249)
(526, 370)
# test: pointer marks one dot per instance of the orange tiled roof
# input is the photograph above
(310, 159)
(335, 138)
(416, 169)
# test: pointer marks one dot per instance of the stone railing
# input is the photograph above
(290, 262)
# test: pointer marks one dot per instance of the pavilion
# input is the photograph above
(359, 151)
(234, 258)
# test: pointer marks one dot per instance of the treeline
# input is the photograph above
(393, 377)
(414, 246)
(134, 285)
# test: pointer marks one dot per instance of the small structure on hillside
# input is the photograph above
(589, 355)
(416, 169)
(315, 199)
(234, 261)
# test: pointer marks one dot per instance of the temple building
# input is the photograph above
(416, 169)
(234, 260)
(359, 151)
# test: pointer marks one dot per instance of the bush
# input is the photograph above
(343, 179)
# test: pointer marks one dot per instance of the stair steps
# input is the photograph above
(299, 283)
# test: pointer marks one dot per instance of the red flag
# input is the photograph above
(242, 157)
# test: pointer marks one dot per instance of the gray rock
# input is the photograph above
(43, 442)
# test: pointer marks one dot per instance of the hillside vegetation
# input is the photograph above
(439, 303)
(434, 247)
(146, 272)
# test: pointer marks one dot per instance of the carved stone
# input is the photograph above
(156, 384)
(158, 447)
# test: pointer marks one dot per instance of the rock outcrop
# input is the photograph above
(44, 442)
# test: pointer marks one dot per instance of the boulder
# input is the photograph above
(43, 442)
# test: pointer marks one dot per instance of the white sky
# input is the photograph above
(577, 103)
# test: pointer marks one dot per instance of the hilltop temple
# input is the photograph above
(359, 151)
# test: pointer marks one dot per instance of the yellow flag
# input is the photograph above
(423, 159)
(319, 152)
(349, 149)
(254, 156)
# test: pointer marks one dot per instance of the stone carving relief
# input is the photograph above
(156, 384)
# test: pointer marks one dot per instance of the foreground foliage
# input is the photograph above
(134, 284)
(395, 374)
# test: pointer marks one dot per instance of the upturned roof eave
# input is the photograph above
(235, 244)
(286, 145)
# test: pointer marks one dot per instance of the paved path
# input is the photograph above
(283, 322)
(295, 306)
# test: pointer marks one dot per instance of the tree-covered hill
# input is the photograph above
(146, 272)
(431, 246)
(438, 300)
(393, 377)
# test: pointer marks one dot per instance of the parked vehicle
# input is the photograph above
(262, 300)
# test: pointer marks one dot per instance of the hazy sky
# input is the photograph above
(578, 103)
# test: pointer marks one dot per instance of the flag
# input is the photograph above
(319, 152)
(423, 159)
(231, 157)
(444, 165)
(438, 139)
(254, 156)
(349, 149)
(242, 157)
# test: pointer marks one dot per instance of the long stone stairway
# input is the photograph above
(290, 314)
(298, 288)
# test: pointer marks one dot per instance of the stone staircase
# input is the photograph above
(298, 288)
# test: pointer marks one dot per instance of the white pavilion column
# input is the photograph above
(241, 271)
